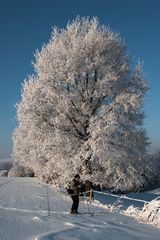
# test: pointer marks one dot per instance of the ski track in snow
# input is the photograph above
(33, 211)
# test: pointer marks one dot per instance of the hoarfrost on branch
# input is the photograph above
(82, 110)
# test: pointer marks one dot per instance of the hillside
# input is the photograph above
(30, 210)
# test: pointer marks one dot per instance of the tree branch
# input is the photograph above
(80, 134)
(45, 119)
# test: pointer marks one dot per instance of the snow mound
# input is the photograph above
(150, 213)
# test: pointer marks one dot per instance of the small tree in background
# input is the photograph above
(82, 110)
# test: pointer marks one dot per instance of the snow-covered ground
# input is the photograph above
(30, 210)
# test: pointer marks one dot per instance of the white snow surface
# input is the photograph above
(31, 210)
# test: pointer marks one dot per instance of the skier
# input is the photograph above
(76, 187)
(88, 190)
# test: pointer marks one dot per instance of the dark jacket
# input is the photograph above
(76, 186)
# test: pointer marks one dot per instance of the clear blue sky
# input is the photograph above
(26, 24)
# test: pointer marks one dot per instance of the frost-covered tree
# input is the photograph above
(82, 110)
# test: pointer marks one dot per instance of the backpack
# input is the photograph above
(69, 190)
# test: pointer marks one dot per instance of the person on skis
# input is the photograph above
(76, 186)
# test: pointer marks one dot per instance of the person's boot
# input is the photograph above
(72, 212)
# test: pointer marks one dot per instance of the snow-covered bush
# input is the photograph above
(3, 173)
(155, 166)
(82, 110)
(6, 164)
(150, 213)
(20, 171)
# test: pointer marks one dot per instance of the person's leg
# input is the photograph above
(74, 204)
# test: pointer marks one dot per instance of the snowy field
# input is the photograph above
(29, 210)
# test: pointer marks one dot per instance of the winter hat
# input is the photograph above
(77, 176)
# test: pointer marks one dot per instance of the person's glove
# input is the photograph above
(80, 194)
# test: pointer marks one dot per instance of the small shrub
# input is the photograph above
(20, 171)
(3, 173)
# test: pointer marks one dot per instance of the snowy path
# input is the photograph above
(29, 210)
